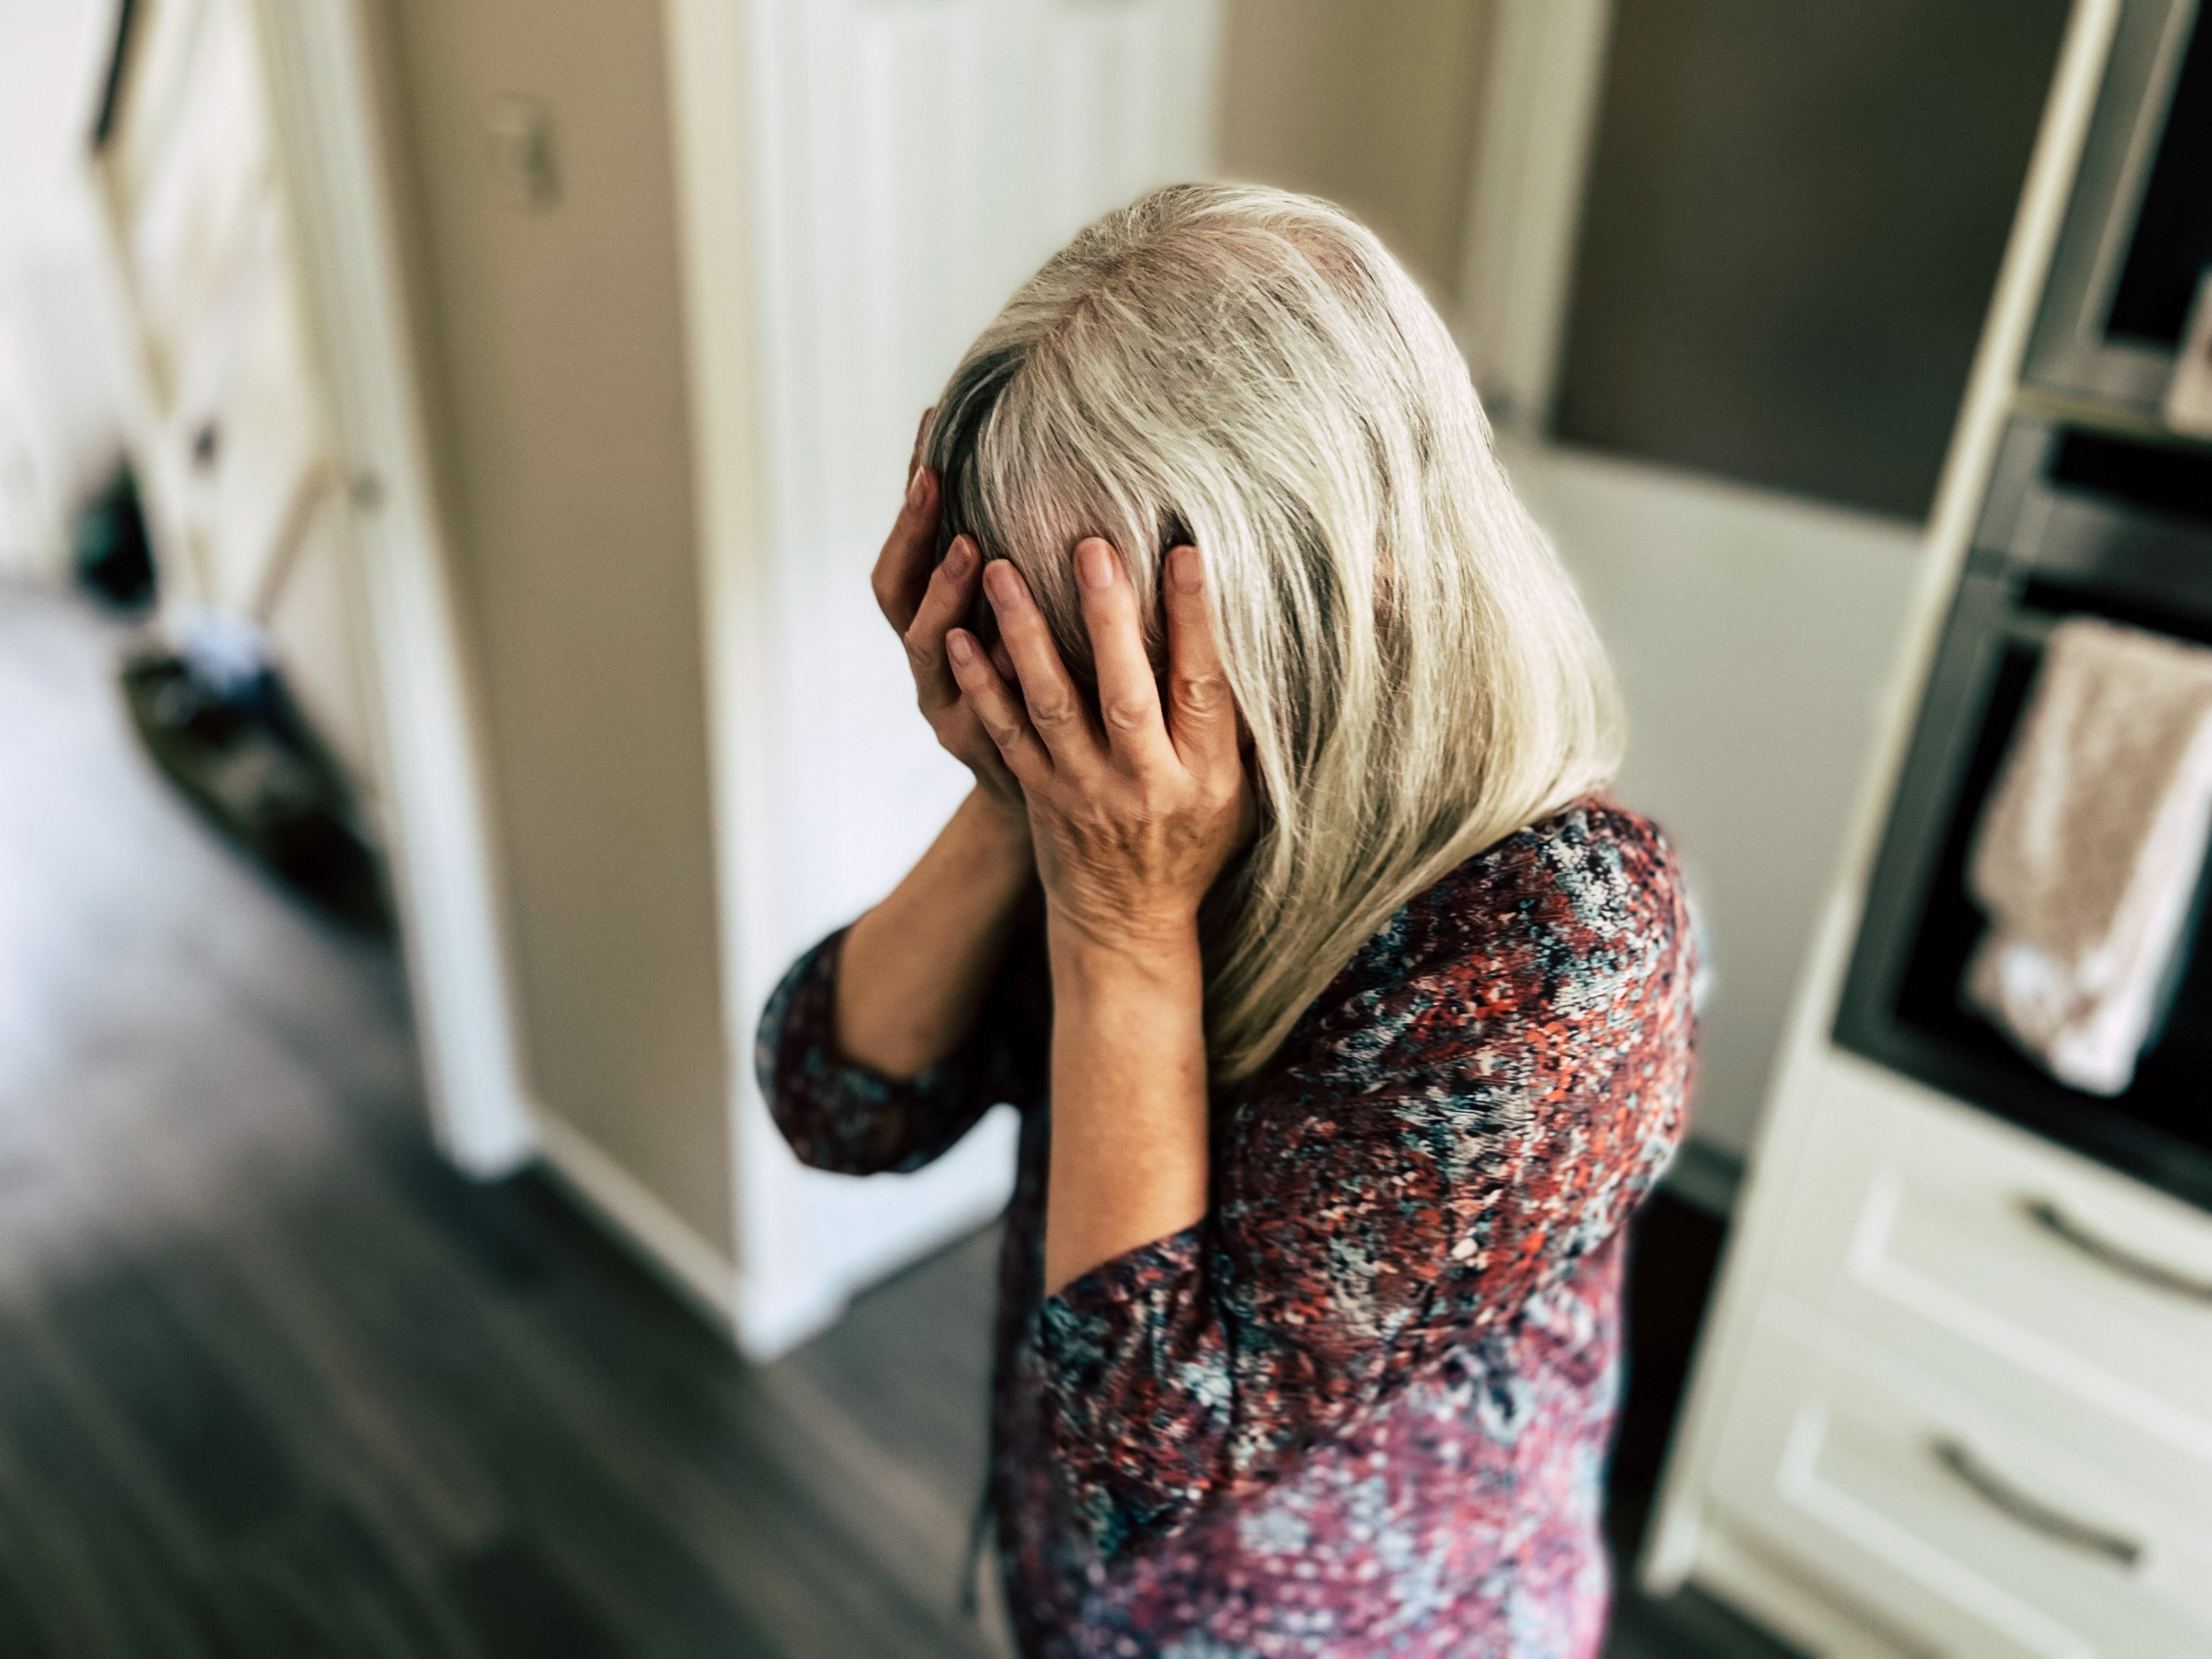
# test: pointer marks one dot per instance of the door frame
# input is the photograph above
(328, 82)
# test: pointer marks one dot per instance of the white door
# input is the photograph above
(907, 163)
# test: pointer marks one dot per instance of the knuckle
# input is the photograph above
(1199, 694)
(1126, 714)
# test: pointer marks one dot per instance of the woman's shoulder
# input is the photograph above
(1561, 917)
(1593, 871)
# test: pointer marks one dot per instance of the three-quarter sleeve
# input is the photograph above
(1444, 1143)
(849, 1119)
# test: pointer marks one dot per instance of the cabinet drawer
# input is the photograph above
(1910, 1210)
(1970, 1536)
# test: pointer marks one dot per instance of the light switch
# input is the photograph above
(518, 132)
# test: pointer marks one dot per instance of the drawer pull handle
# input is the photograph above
(2036, 1516)
(2052, 1220)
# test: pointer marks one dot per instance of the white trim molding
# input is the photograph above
(320, 62)
(710, 107)
(1539, 117)
(703, 1276)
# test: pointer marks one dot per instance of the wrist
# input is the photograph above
(998, 825)
(1158, 950)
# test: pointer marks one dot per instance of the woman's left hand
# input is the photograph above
(1135, 810)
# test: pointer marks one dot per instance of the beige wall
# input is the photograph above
(564, 460)
(1372, 105)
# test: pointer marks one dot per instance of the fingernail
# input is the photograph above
(959, 558)
(1005, 589)
(1185, 571)
(917, 489)
(962, 647)
(1094, 562)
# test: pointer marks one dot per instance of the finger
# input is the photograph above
(1201, 712)
(999, 710)
(1055, 709)
(902, 572)
(950, 593)
(1128, 697)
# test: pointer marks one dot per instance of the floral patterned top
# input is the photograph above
(1363, 1407)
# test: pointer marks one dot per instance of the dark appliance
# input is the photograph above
(2077, 521)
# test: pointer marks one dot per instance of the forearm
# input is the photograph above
(915, 969)
(1128, 1099)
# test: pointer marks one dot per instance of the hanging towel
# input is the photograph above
(2091, 848)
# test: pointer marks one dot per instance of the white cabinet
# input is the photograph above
(1948, 1424)
(1976, 1247)
(1955, 1393)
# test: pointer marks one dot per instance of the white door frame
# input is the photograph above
(322, 64)
(1546, 72)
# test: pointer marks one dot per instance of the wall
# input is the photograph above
(1372, 106)
(559, 375)
(1753, 630)
(1754, 635)
(1793, 224)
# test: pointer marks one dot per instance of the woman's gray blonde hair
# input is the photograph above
(1251, 372)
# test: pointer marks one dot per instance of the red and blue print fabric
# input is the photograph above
(1363, 1406)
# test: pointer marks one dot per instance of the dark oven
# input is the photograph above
(2075, 521)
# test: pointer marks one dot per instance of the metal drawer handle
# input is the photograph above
(2032, 1513)
(2052, 1220)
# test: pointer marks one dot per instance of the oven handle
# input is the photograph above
(2046, 1214)
(1958, 1459)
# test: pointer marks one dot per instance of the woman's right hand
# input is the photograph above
(922, 605)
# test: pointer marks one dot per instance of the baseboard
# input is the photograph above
(767, 1324)
(1705, 1178)
(771, 1321)
(867, 1229)
(488, 1145)
(702, 1275)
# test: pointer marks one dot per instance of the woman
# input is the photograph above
(1348, 1023)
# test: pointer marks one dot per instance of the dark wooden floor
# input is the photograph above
(274, 1382)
